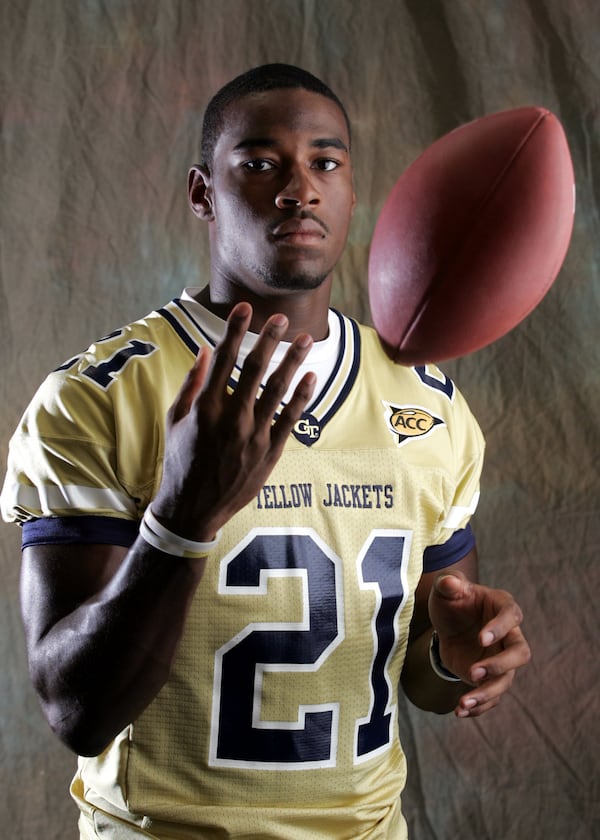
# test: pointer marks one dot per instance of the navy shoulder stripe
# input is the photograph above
(437, 557)
(65, 530)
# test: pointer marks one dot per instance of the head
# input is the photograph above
(258, 80)
(275, 186)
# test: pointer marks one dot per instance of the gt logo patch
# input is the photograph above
(409, 422)
(307, 430)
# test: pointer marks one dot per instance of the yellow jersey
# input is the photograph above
(279, 719)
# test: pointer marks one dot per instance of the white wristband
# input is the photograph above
(164, 540)
(436, 660)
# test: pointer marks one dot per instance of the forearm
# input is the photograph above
(422, 685)
(100, 665)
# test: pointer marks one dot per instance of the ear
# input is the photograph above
(200, 192)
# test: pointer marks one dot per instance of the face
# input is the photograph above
(279, 195)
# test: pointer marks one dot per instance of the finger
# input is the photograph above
(514, 653)
(191, 387)
(226, 352)
(484, 697)
(292, 412)
(507, 617)
(257, 361)
(475, 709)
(279, 381)
(494, 676)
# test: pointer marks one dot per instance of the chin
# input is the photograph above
(294, 282)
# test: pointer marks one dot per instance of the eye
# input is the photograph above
(326, 164)
(258, 165)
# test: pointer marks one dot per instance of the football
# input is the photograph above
(472, 236)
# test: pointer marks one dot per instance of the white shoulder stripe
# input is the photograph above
(55, 500)
(457, 513)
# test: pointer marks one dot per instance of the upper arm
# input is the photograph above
(420, 621)
(56, 579)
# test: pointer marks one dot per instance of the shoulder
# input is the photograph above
(132, 374)
(418, 398)
(122, 361)
(428, 380)
(108, 357)
(91, 437)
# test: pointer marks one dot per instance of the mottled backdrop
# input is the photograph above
(100, 110)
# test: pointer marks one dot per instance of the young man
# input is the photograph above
(220, 607)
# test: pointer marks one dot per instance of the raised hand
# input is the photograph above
(222, 445)
(480, 637)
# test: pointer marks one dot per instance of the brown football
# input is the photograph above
(472, 236)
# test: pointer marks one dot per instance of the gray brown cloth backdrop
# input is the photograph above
(101, 102)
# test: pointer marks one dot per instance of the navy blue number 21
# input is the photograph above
(239, 736)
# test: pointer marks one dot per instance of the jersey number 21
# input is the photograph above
(239, 736)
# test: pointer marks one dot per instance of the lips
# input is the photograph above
(299, 230)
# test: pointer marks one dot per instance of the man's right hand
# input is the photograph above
(221, 445)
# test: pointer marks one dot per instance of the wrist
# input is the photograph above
(436, 663)
(173, 515)
(162, 538)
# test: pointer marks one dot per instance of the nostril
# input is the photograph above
(287, 201)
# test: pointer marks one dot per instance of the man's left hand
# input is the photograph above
(480, 638)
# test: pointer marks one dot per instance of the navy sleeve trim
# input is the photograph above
(63, 530)
(437, 557)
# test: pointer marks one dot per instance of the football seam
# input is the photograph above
(545, 113)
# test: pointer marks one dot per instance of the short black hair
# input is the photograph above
(257, 80)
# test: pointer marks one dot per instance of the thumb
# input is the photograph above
(451, 587)
(451, 603)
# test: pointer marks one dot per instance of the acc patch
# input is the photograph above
(409, 422)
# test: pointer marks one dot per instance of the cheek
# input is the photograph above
(341, 220)
(237, 236)
(346, 199)
(232, 215)
(239, 213)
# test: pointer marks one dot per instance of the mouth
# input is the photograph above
(299, 231)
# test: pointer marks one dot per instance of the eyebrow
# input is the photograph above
(269, 143)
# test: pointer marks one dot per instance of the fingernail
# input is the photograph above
(487, 638)
(303, 340)
(279, 320)
(465, 709)
(478, 674)
(242, 309)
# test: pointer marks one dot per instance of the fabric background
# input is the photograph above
(101, 103)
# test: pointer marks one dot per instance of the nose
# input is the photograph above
(298, 191)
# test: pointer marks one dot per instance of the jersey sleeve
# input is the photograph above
(64, 458)
(437, 557)
(455, 537)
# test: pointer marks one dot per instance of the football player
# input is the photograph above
(245, 529)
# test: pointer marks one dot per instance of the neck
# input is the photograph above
(307, 312)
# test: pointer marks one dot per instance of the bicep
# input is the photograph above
(420, 621)
(56, 579)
